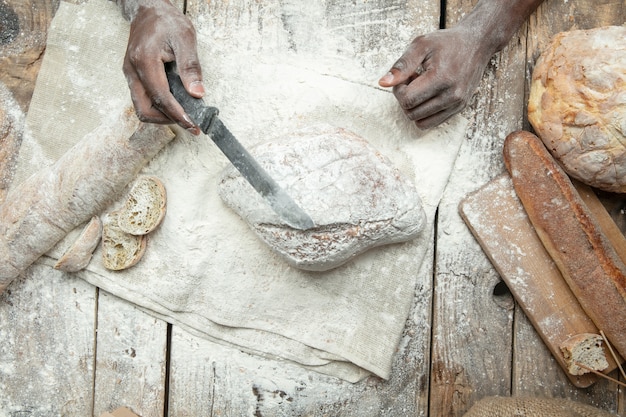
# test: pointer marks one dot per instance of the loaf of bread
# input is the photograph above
(570, 234)
(80, 252)
(577, 104)
(357, 199)
(40, 211)
(584, 349)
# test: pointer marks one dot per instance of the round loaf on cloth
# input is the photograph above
(577, 104)
(533, 407)
(356, 197)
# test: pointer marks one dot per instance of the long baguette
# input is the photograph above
(570, 234)
(40, 211)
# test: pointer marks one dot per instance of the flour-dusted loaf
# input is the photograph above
(40, 211)
(80, 252)
(356, 197)
(577, 104)
(144, 207)
(584, 349)
(120, 250)
(570, 233)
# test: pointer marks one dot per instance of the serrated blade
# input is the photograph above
(206, 118)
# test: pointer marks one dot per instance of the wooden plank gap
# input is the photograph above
(432, 307)
(442, 14)
(168, 363)
(95, 352)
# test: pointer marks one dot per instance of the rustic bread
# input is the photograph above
(144, 208)
(120, 250)
(79, 254)
(577, 104)
(355, 196)
(585, 349)
(40, 211)
(571, 235)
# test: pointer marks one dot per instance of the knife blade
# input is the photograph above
(206, 117)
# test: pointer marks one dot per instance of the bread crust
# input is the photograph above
(576, 104)
(40, 211)
(570, 233)
(79, 254)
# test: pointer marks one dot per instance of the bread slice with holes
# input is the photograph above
(145, 206)
(79, 254)
(584, 349)
(120, 250)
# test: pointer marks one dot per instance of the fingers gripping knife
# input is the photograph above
(206, 118)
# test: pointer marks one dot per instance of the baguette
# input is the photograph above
(571, 235)
(79, 254)
(40, 211)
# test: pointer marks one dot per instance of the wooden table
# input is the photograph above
(69, 349)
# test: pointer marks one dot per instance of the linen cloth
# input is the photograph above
(204, 269)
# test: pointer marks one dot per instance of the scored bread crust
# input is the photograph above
(120, 250)
(570, 234)
(356, 197)
(145, 206)
(576, 104)
(40, 211)
(79, 254)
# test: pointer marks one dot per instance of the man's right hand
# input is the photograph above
(160, 33)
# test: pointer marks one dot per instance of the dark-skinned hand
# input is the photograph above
(160, 33)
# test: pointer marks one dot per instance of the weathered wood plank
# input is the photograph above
(11, 128)
(130, 359)
(472, 329)
(24, 26)
(47, 327)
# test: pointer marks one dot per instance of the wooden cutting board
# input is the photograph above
(497, 219)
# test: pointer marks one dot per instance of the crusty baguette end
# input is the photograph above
(79, 254)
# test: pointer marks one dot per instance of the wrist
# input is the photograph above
(494, 22)
(130, 8)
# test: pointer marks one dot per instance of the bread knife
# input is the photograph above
(206, 118)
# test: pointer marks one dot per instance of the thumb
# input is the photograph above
(405, 68)
(191, 76)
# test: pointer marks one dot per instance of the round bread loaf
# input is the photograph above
(577, 104)
(356, 197)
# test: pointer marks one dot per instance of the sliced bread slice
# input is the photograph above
(584, 349)
(120, 250)
(145, 206)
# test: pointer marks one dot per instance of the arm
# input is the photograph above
(160, 33)
(439, 72)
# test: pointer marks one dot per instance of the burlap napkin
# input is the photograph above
(204, 269)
